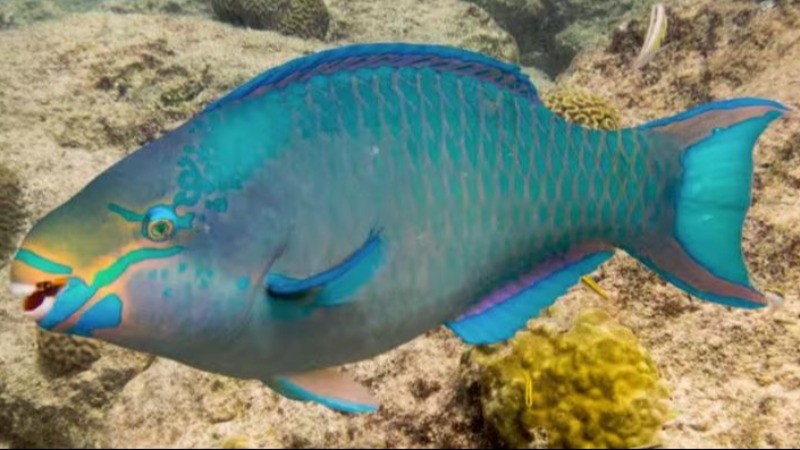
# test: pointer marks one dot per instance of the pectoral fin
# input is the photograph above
(329, 388)
(335, 285)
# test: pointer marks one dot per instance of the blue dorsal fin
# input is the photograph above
(507, 310)
(373, 56)
(337, 284)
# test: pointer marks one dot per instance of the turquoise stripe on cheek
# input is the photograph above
(39, 262)
(107, 313)
(76, 293)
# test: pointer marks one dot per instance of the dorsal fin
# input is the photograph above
(373, 56)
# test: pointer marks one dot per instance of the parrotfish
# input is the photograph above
(338, 206)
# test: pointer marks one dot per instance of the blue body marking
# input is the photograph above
(107, 313)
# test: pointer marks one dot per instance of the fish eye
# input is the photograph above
(159, 224)
(159, 230)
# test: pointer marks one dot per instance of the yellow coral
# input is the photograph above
(583, 108)
(591, 386)
(65, 353)
(234, 442)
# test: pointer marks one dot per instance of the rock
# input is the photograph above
(74, 98)
(722, 363)
(60, 129)
(303, 18)
(551, 33)
(13, 210)
(40, 408)
(447, 22)
(183, 7)
(15, 13)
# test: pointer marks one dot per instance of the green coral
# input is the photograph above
(303, 18)
(590, 386)
(64, 353)
(13, 213)
(583, 108)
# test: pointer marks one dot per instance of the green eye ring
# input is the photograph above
(159, 224)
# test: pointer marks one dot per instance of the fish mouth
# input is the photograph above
(39, 298)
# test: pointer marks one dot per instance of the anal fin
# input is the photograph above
(508, 309)
(327, 387)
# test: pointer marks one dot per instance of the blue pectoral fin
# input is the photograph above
(336, 285)
(501, 314)
(329, 388)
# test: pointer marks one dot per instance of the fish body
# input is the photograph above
(342, 204)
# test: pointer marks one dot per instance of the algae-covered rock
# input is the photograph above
(551, 33)
(303, 18)
(591, 385)
(12, 212)
(183, 7)
(16, 13)
(447, 22)
(583, 108)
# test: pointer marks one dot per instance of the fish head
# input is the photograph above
(139, 258)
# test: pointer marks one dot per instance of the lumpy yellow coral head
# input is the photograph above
(591, 385)
(583, 108)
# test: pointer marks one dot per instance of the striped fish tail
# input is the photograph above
(699, 248)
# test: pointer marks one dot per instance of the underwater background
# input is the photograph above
(85, 82)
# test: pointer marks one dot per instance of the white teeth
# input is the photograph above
(42, 310)
(22, 290)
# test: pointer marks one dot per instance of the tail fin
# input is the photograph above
(701, 251)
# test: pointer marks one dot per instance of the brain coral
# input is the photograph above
(303, 18)
(66, 353)
(583, 108)
(591, 386)
(12, 211)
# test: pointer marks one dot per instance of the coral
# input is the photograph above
(13, 211)
(65, 353)
(583, 108)
(234, 442)
(592, 385)
(303, 18)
